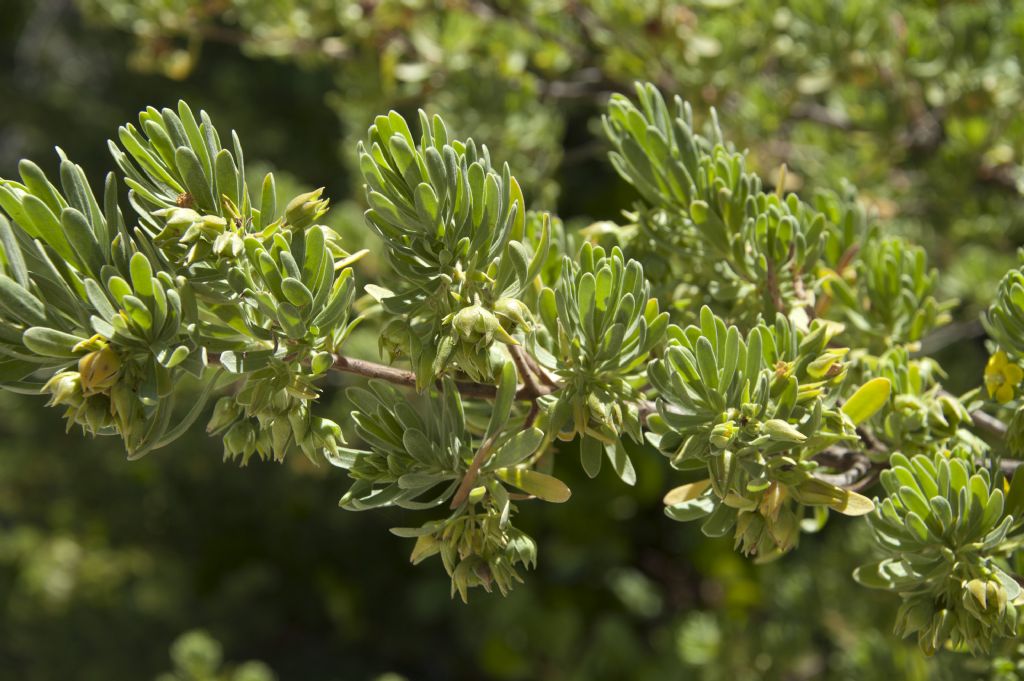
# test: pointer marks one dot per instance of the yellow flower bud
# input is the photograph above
(99, 370)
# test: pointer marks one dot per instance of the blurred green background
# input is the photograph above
(182, 567)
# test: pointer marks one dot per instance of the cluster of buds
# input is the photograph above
(982, 610)
(599, 410)
(273, 431)
(91, 411)
(754, 412)
(919, 414)
(478, 326)
(192, 237)
(473, 330)
(478, 549)
(915, 423)
(97, 396)
(765, 511)
(766, 527)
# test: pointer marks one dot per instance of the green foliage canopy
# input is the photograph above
(777, 386)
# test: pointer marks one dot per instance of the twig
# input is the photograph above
(857, 469)
(466, 486)
(988, 423)
(407, 378)
(525, 371)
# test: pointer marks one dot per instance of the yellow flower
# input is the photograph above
(1001, 377)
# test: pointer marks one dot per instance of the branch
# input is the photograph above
(530, 391)
(525, 370)
(856, 470)
(988, 423)
(466, 486)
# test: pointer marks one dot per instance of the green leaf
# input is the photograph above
(868, 399)
(268, 201)
(50, 342)
(687, 492)
(620, 463)
(873, 576)
(539, 485)
(296, 292)
(502, 406)
(48, 227)
(853, 504)
(591, 450)
(142, 275)
(196, 181)
(517, 448)
(719, 522)
(79, 233)
(694, 509)
(19, 304)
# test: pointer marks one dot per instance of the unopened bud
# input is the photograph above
(321, 362)
(426, 546)
(100, 370)
(782, 431)
(305, 209)
(94, 415)
(240, 439)
(225, 412)
(65, 388)
(476, 322)
(514, 310)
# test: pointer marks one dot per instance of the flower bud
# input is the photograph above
(782, 431)
(321, 362)
(476, 322)
(94, 415)
(515, 311)
(65, 388)
(99, 370)
(239, 440)
(179, 219)
(978, 589)
(426, 546)
(473, 321)
(305, 209)
(225, 412)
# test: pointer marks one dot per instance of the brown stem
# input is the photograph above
(855, 470)
(525, 371)
(407, 378)
(466, 486)
(988, 423)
